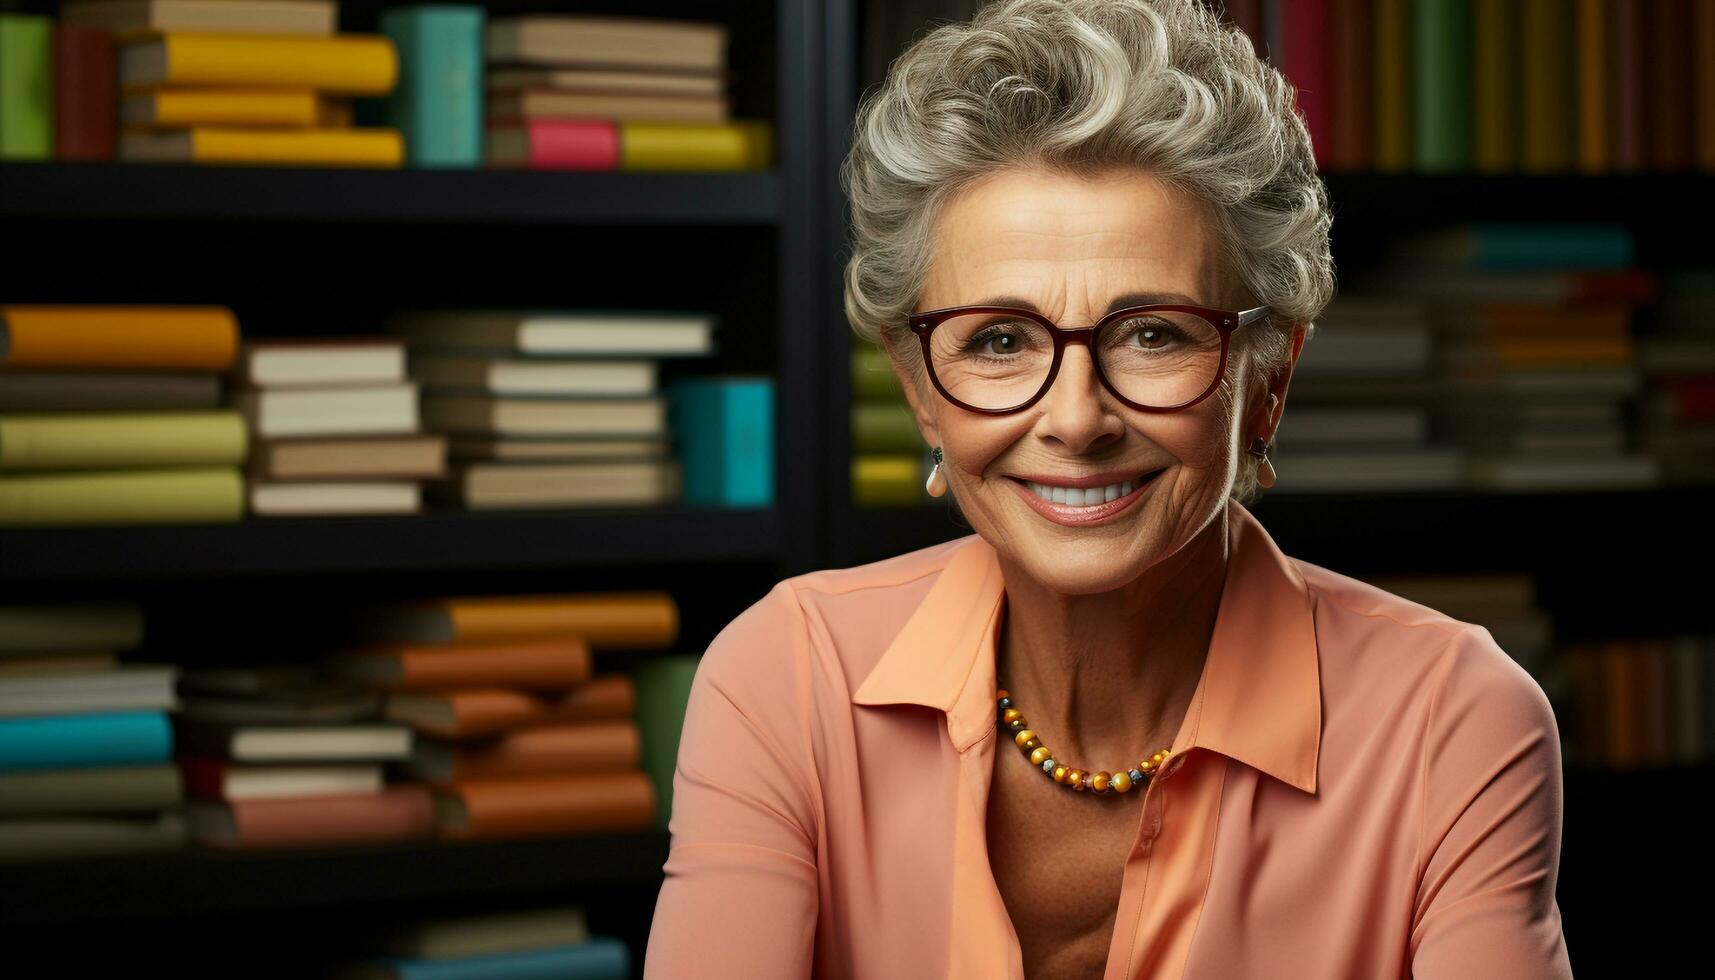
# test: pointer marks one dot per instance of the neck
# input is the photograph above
(1106, 678)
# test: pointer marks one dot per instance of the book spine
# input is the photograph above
(349, 64)
(738, 145)
(99, 739)
(165, 496)
(1441, 34)
(83, 93)
(121, 439)
(438, 103)
(26, 87)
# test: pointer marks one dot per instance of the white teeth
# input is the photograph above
(1082, 498)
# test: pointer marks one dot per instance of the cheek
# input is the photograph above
(972, 444)
(1198, 440)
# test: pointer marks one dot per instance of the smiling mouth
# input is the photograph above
(1094, 496)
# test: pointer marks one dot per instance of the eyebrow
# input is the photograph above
(1119, 302)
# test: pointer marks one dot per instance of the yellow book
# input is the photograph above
(344, 64)
(100, 440)
(222, 106)
(159, 496)
(1391, 57)
(887, 480)
(369, 147)
(1548, 100)
(743, 144)
(1492, 44)
(1595, 71)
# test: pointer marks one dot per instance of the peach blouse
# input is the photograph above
(1362, 787)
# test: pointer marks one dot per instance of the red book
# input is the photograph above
(84, 93)
(1306, 64)
(554, 144)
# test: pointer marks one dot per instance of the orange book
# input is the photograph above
(185, 338)
(605, 619)
(1531, 353)
(573, 747)
(1619, 683)
(401, 812)
(553, 662)
(540, 806)
(478, 712)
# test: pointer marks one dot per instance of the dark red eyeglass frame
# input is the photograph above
(1226, 322)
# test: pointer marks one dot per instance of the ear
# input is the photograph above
(1269, 409)
(915, 396)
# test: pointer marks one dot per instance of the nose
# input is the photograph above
(1075, 409)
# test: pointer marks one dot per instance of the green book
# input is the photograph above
(885, 428)
(663, 691)
(873, 377)
(187, 495)
(1441, 36)
(26, 87)
(438, 102)
(111, 440)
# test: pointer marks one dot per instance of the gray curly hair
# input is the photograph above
(1078, 87)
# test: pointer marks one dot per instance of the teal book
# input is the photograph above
(110, 738)
(438, 102)
(601, 958)
(26, 87)
(1443, 109)
(723, 428)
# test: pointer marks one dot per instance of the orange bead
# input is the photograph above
(1099, 782)
(1061, 773)
(1076, 780)
(1039, 755)
(1121, 781)
(1024, 735)
(1001, 694)
(1010, 714)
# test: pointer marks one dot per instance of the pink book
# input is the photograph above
(554, 144)
(1306, 64)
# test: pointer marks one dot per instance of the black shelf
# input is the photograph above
(195, 882)
(443, 541)
(82, 190)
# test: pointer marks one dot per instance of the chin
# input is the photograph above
(1081, 562)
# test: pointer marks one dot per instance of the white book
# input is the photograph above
(1312, 471)
(615, 333)
(288, 498)
(277, 781)
(296, 361)
(357, 410)
(534, 376)
(131, 687)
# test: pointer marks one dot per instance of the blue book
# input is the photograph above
(723, 430)
(601, 958)
(103, 739)
(438, 101)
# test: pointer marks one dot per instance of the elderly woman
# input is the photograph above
(1115, 732)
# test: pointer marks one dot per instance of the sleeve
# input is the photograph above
(740, 895)
(1489, 840)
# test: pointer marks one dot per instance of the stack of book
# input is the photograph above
(533, 942)
(240, 81)
(1641, 702)
(890, 463)
(280, 756)
(111, 415)
(552, 408)
(335, 427)
(584, 92)
(1677, 414)
(517, 730)
(1358, 412)
(85, 742)
(1534, 350)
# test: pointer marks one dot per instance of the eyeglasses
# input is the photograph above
(996, 360)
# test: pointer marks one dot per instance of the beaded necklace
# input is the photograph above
(1100, 783)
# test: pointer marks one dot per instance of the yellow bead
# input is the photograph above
(1099, 782)
(1039, 755)
(1032, 744)
(1121, 782)
(1061, 773)
(1076, 780)
(1011, 714)
(1146, 765)
(1024, 735)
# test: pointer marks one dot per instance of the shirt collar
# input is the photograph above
(1258, 700)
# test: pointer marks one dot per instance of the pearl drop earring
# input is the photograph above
(1265, 474)
(937, 484)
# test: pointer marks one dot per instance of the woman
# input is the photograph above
(1115, 732)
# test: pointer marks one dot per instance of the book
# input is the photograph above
(339, 64)
(59, 663)
(369, 742)
(591, 40)
(132, 687)
(438, 102)
(106, 738)
(58, 837)
(532, 806)
(1321, 470)
(501, 375)
(636, 415)
(884, 479)
(615, 333)
(309, 146)
(724, 428)
(501, 79)
(477, 712)
(610, 483)
(139, 17)
(323, 704)
(32, 629)
(107, 440)
(96, 391)
(576, 746)
(397, 813)
(83, 93)
(26, 87)
(548, 662)
(89, 790)
(741, 144)
(553, 144)
(516, 104)
(378, 409)
(663, 691)
(269, 498)
(191, 107)
(253, 680)
(142, 338)
(629, 620)
(347, 457)
(218, 779)
(173, 495)
(501, 448)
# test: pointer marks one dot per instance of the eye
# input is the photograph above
(1154, 334)
(995, 339)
